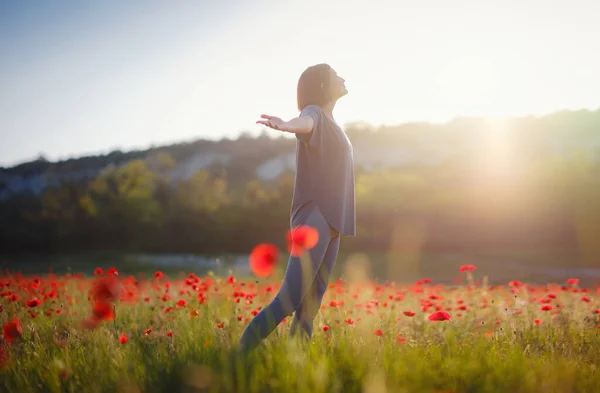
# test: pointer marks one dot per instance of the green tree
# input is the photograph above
(124, 201)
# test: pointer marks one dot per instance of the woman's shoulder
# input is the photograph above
(312, 108)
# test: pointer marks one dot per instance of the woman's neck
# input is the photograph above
(328, 109)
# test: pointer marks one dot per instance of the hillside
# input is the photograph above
(266, 158)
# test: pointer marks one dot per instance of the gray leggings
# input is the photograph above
(304, 284)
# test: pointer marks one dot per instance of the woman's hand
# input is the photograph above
(273, 122)
(297, 125)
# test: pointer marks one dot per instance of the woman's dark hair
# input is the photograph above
(314, 87)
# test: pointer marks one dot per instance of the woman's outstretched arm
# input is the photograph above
(297, 125)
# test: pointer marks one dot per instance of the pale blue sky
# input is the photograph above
(88, 77)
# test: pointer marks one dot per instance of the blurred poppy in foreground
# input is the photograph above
(300, 238)
(106, 288)
(12, 330)
(103, 311)
(263, 259)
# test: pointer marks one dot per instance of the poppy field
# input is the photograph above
(116, 332)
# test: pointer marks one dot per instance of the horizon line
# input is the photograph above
(263, 132)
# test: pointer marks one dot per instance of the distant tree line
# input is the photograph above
(552, 202)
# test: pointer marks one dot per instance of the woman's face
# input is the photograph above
(337, 85)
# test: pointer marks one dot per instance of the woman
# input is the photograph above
(323, 199)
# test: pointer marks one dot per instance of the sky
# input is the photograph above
(80, 78)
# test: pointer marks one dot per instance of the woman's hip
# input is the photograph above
(311, 215)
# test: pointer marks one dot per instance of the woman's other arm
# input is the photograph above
(297, 125)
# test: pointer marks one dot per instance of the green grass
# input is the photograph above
(482, 349)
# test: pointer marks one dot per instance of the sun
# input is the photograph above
(497, 162)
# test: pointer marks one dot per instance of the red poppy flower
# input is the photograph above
(103, 311)
(51, 295)
(573, 281)
(300, 238)
(515, 284)
(325, 328)
(263, 259)
(33, 303)
(378, 332)
(123, 339)
(106, 288)
(439, 316)
(181, 303)
(35, 283)
(467, 268)
(409, 313)
(12, 330)
(98, 272)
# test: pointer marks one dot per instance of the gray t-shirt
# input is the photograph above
(325, 173)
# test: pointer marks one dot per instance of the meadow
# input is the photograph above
(113, 332)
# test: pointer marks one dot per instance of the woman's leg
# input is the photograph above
(308, 309)
(298, 278)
